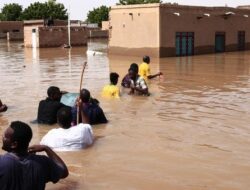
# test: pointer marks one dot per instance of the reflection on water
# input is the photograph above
(192, 133)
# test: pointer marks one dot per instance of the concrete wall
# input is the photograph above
(10, 26)
(15, 36)
(55, 36)
(42, 22)
(134, 30)
(98, 34)
(151, 29)
(105, 25)
(3, 35)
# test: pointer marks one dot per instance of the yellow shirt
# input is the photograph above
(110, 91)
(144, 70)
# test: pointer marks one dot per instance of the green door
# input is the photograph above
(241, 40)
(184, 43)
(219, 42)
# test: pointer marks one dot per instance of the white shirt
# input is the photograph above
(73, 138)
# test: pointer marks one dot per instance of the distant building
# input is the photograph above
(162, 30)
(244, 7)
(41, 33)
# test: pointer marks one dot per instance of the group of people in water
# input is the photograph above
(21, 169)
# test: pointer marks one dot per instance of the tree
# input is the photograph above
(50, 9)
(1, 17)
(130, 2)
(11, 12)
(98, 15)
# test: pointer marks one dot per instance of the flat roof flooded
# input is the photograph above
(192, 132)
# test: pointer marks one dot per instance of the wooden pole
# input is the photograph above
(83, 68)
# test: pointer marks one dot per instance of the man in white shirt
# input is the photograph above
(68, 138)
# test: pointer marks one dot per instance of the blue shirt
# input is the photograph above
(31, 172)
(93, 111)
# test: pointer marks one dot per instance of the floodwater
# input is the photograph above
(192, 133)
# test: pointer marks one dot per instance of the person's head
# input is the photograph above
(113, 78)
(64, 117)
(16, 137)
(54, 93)
(146, 59)
(85, 95)
(133, 65)
(133, 71)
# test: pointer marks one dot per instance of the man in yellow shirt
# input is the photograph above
(144, 69)
(112, 90)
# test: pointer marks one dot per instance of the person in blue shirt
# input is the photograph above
(90, 111)
(21, 168)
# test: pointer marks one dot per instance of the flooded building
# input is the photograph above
(38, 33)
(163, 30)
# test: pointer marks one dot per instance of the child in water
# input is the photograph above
(112, 90)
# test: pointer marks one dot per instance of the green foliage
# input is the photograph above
(98, 15)
(11, 12)
(1, 17)
(130, 2)
(50, 9)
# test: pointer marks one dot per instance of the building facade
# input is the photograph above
(162, 30)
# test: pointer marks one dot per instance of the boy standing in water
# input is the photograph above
(138, 84)
(144, 69)
(126, 79)
(112, 90)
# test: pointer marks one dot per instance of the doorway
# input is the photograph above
(220, 42)
(184, 43)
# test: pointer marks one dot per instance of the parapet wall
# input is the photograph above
(58, 36)
(11, 26)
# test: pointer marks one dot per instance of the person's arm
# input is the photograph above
(80, 111)
(84, 117)
(156, 75)
(52, 155)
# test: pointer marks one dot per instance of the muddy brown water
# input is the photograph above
(192, 133)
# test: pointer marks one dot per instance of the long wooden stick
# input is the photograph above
(83, 68)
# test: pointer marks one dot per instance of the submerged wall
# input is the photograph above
(56, 36)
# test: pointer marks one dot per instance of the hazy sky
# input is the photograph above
(80, 8)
